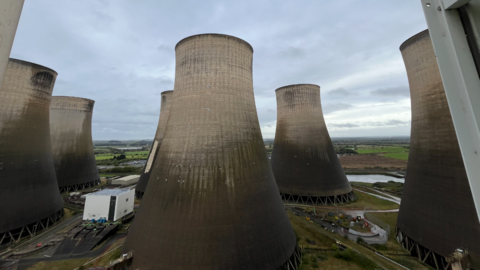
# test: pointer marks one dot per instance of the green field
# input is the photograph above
(402, 156)
(129, 155)
(371, 202)
(391, 151)
(380, 149)
(322, 256)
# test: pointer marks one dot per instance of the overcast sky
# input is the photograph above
(120, 53)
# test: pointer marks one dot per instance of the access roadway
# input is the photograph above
(26, 263)
(39, 238)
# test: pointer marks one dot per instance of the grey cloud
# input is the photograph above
(165, 80)
(395, 122)
(344, 125)
(165, 48)
(333, 107)
(341, 92)
(126, 50)
(103, 18)
(292, 52)
(391, 122)
(402, 91)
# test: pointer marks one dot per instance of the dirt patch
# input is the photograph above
(372, 162)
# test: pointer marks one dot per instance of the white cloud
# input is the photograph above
(121, 54)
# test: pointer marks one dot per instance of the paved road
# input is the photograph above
(379, 237)
(26, 263)
(384, 193)
(387, 197)
(39, 238)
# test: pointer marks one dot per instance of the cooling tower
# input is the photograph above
(213, 203)
(29, 197)
(166, 102)
(437, 214)
(10, 11)
(72, 146)
(304, 161)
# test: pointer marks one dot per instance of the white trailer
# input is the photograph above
(109, 204)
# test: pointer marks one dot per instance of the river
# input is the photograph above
(372, 178)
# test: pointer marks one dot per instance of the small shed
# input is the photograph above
(126, 180)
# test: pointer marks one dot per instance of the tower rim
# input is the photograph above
(413, 39)
(85, 99)
(299, 84)
(32, 64)
(58, 102)
(213, 34)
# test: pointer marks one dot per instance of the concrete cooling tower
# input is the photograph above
(10, 11)
(29, 197)
(165, 104)
(212, 201)
(437, 214)
(304, 161)
(72, 146)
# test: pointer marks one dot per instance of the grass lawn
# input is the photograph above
(393, 247)
(380, 149)
(396, 152)
(323, 249)
(371, 202)
(59, 265)
(362, 184)
(307, 231)
(402, 156)
(363, 201)
(119, 174)
(128, 155)
(68, 213)
(395, 188)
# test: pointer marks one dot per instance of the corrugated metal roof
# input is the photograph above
(128, 177)
(110, 192)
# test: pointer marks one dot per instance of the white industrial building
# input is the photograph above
(126, 180)
(110, 204)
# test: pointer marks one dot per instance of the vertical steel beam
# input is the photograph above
(10, 11)
(460, 79)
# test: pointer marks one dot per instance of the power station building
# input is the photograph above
(108, 204)
(165, 104)
(304, 162)
(72, 146)
(437, 214)
(29, 197)
(214, 203)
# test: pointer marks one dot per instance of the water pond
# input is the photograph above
(372, 178)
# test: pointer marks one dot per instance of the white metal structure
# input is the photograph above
(110, 204)
(10, 11)
(126, 180)
(454, 29)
